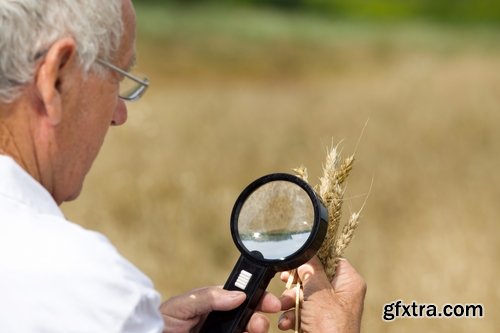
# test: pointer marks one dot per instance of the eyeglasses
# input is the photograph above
(131, 87)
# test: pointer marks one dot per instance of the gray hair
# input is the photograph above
(29, 27)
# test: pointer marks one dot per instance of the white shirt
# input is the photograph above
(56, 276)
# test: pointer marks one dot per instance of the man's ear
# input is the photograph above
(52, 70)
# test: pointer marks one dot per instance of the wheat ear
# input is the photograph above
(331, 190)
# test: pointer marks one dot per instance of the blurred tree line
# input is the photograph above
(487, 11)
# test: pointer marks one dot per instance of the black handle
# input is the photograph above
(246, 276)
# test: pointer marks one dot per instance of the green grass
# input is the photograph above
(246, 42)
(457, 11)
(262, 25)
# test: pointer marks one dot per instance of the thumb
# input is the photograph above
(313, 277)
(347, 279)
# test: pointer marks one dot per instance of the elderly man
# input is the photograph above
(64, 65)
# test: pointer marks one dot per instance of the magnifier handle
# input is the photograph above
(246, 276)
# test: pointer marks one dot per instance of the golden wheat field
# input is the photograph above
(235, 95)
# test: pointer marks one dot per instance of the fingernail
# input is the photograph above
(236, 294)
(282, 321)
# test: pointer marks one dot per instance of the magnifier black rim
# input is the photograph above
(304, 253)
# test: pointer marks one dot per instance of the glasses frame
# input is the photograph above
(136, 93)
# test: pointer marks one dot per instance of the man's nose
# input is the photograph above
(120, 114)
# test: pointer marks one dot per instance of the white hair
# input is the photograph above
(29, 27)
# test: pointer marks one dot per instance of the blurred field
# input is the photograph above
(240, 93)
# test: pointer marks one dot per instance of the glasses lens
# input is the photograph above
(131, 90)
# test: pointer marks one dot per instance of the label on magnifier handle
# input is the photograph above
(251, 278)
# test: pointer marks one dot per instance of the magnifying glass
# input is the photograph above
(278, 223)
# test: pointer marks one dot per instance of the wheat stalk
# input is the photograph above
(331, 190)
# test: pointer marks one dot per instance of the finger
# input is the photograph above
(287, 275)
(269, 303)
(202, 301)
(258, 324)
(288, 299)
(287, 320)
(313, 276)
(309, 269)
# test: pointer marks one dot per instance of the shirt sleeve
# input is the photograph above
(145, 317)
(58, 278)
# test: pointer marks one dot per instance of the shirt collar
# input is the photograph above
(19, 186)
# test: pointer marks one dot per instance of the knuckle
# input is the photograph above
(212, 293)
(361, 286)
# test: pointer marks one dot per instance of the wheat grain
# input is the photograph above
(328, 178)
(347, 234)
(301, 172)
(344, 170)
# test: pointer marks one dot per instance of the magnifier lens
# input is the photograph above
(277, 223)
(276, 220)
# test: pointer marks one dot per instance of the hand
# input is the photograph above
(186, 313)
(334, 307)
